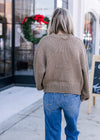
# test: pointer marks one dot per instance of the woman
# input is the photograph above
(61, 70)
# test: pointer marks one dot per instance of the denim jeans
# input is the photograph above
(54, 103)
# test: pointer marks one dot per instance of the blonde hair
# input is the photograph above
(61, 21)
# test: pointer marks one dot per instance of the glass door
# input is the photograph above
(23, 49)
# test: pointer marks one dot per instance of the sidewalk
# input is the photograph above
(29, 124)
(16, 100)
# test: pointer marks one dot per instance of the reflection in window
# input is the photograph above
(89, 36)
(6, 38)
(5, 54)
(24, 57)
(1, 41)
(1, 7)
(23, 8)
(23, 48)
(9, 37)
(44, 7)
(23, 53)
(1, 56)
(9, 11)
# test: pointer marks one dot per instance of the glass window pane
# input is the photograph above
(1, 61)
(23, 48)
(18, 16)
(89, 36)
(2, 69)
(1, 44)
(23, 8)
(8, 63)
(8, 48)
(8, 42)
(18, 10)
(1, 39)
(5, 53)
(24, 59)
(1, 7)
(1, 49)
(8, 11)
(44, 7)
(1, 57)
(23, 53)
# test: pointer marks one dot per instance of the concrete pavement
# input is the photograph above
(29, 124)
(16, 100)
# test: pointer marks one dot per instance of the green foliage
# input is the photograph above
(26, 27)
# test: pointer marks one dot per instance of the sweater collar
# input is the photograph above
(63, 36)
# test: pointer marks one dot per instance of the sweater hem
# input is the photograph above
(68, 88)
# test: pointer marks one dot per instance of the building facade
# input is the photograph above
(86, 19)
(17, 54)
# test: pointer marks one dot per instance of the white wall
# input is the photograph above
(78, 9)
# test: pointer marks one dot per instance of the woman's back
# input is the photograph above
(64, 58)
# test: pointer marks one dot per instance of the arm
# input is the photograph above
(84, 65)
(39, 66)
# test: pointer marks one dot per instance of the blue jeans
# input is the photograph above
(53, 104)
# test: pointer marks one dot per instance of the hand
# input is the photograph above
(81, 102)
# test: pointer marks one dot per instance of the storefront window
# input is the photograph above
(23, 8)
(23, 48)
(17, 58)
(5, 38)
(8, 48)
(1, 39)
(44, 7)
(8, 37)
(1, 57)
(89, 36)
(1, 7)
(8, 10)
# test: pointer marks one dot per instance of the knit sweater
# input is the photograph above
(60, 65)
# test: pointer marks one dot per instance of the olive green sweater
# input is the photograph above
(60, 65)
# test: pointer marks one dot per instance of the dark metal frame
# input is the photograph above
(13, 37)
(55, 4)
